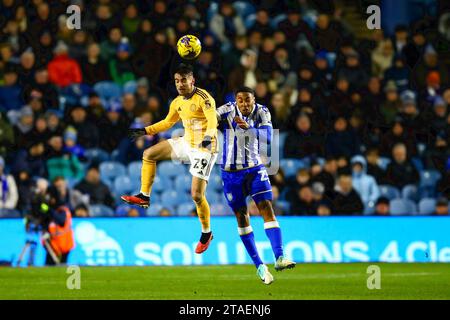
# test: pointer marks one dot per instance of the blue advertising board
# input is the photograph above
(171, 241)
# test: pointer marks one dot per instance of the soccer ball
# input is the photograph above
(189, 47)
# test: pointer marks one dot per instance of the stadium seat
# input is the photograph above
(429, 178)
(276, 20)
(183, 183)
(285, 206)
(185, 209)
(170, 169)
(100, 210)
(400, 207)
(130, 87)
(291, 166)
(369, 208)
(123, 184)
(153, 210)
(96, 155)
(389, 192)
(219, 209)
(134, 169)
(250, 21)
(214, 197)
(383, 162)
(215, 182)
(417, 163)
(122, 210)
(410, 192)
(282, 139)
(108, 90)
(161, 184)
(427, 206)
(173, 198)
(9, 213)
(244, 8)
(111, 169)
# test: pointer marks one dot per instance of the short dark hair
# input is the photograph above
(184, 69)
(244, 89)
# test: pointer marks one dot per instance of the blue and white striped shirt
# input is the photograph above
(242, 148)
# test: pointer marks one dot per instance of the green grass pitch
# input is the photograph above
(239, 282)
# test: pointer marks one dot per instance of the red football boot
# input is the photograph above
(139, 200)
(201, 247)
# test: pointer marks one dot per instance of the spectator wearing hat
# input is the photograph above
(93, 67)
(438, 118)
(412, 120)
(70, 143)
(392, 103)
(121, 68)
(430, 62)
(113, 127)
(400, 171)
(8, 189)
(441, 207)
(97, 190)
(399, 73)
(63, 70)
(345, 200)
(363, 183)
(382, 207)
(23, 125)
(10, 91)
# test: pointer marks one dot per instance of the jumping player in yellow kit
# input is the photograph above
(197, 110)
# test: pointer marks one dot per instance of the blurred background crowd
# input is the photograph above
(363, 116)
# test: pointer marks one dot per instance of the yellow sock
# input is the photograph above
(203, 214)
(148, 172)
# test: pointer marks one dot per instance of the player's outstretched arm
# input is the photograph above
(165, 124)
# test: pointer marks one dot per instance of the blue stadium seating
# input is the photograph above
(185, 209)
(170, 169)
(410, 192)
(153, 210)
(389, 192)
(215, 182)
(417, 163)
(111, 169)
(108, 90)
(161, 184)
(286, 207)
(174, 198)
(250, 21)
(122, 210)
(383, 162)
(130, 87)
(276, 20)
(244, 8)
(214, 197)
(282, 141)
(9, 213)
(427, 206)
(96, 155)
(123, 184)
(429, 178)
(400, 207)
(369, 208)
(291, 166)
(219, 209)
(134, 169)
(100, 210)
(183, 183)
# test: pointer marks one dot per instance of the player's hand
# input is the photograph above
(206, 143)
(136, 133)
(241, 123)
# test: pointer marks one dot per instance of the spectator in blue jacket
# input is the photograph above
(10, 92)
(364, 184)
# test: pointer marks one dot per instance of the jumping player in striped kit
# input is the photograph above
(246, 125)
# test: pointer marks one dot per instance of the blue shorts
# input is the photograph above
(252, 182)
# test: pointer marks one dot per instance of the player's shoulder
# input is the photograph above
(227, 107)
(202, 93)
(262, 109)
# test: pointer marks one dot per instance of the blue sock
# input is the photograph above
(248, 238)
(273, 232)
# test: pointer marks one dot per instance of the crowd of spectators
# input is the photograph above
(342, 104)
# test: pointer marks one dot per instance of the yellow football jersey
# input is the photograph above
(198, 114)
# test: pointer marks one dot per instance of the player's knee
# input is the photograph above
(197, 196)
(265, 206)
(148, 154)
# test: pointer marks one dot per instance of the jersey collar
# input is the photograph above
(191, 95)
